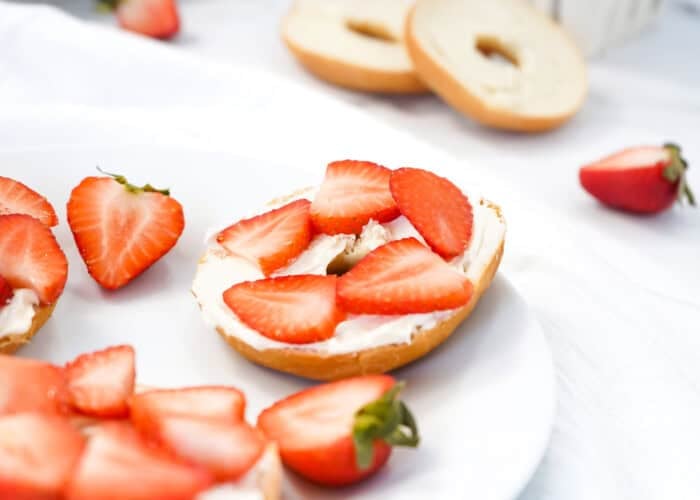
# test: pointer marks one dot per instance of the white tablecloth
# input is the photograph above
(618, 296)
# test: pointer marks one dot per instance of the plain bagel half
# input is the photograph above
(451, 41)
(356, 44)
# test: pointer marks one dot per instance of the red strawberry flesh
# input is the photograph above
(122, 230)
(226, 450)
(154, 18)
(37, 454)
(436, 208)
(273, 239)
(6, 292)
(117, 465)
(644, 179)
(352, 193)
(295, 309)
(27, 385)
(31, 258)
(16, 198)
(402, 277)
(100, 383)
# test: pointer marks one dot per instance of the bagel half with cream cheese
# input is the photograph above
(357, 44)
(241, 257)
(451, 41)
(33, 268)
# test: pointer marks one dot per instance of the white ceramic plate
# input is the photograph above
(483, 400)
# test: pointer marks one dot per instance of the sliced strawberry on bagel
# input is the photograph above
(31, 258)
(120, 229)
(101, 383)
(402, 277)
(270, 240)
(29, 385)
(16, 198)
(37, 455)
(227, 450)
(117, 465)
(295, 309)
(341, 432)
(6, 292)
(643, 179)
(436, 208)
(222, 404)
(352, 193)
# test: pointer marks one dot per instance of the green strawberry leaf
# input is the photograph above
(387, 419)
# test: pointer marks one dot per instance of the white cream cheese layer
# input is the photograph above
(16, 317)
(218, 271)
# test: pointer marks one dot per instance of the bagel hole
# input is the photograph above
(370, 30)
(495, 51)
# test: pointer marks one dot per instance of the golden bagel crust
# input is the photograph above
(453, 93)
(355, 77)
(10, 344)
(375, 360)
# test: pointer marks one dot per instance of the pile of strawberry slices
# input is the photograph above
(400, 277)
(82, 431)
(30, 256)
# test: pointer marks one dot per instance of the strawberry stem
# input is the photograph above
(388, 419)
(675, 172)
(134, 189)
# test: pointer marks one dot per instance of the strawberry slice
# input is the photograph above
(31, 258)
(37, 455)
(352, 193)
(222, 404)
(273, 239)
(226, 450)
(295, 309)
(100, 383)
(6, 292)
(154, 18)
(120, 229)
(339, 433)
(402, 277)
(29, 385)
(117, 465)
(436, 208)
(643, 179)
(16, 198)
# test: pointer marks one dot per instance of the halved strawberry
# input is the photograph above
(37, 455)
(154, 18)
(6, 292)
(295, 309)
(120, 229)
(273, 239)
(100, 383)
(29, 385)
(226, 450)
(117, 465)
(402, 277)
(341, 432)
(643, 179)
(436, 208)
(352, 193)
(222, 404)
(16, 198)
(31, 258)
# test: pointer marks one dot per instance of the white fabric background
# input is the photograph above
(618, 296)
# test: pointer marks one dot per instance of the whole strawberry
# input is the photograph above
(154, 18)
(643, 179)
